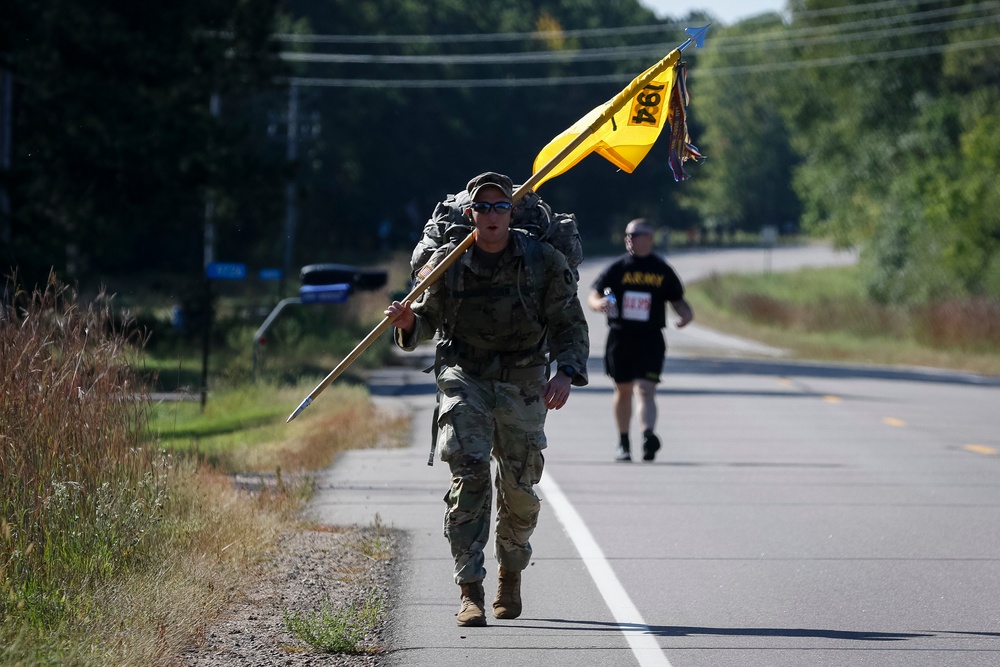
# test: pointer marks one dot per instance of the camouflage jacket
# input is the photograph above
(526, 309)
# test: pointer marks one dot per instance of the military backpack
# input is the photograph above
(531, 215)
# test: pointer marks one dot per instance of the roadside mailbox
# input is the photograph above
(322, 283)
(336, 293)
(332, 274)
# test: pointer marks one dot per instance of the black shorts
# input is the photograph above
(634, 355)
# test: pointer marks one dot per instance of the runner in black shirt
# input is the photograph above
(642, 284)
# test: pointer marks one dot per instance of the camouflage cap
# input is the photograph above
(490, 179)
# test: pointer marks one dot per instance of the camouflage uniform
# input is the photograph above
(499, 324)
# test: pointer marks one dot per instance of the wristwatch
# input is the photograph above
(568, 370)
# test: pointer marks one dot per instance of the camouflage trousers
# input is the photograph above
(479, 418)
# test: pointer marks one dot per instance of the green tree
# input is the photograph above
(115, 148)
(745, 182)
(887, 144)
(963, 201)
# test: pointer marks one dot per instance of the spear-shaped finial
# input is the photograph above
(697, 35)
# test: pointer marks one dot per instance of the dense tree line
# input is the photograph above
(872, 123)
(119, 158)
(114, 145)
(876, 120)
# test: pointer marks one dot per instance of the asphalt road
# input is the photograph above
(800, 514)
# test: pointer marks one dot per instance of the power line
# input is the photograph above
(645, 50)
(605, 53)
(482, 38)
(869, 29)
(849, 59)
(475, 37)
(856, 9)
(766, 37)
(866, 35)
(454, 83)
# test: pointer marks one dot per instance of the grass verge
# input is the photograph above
(243, 429)
(122, 531)
(824, 314)
(348, 626)
(339, 628)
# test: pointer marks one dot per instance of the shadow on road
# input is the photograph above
(675, 391)
(709, 464)
(689, 631)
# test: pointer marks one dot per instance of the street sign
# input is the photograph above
(769, 235)
(270, 274)
(336, 293)
(226, 271)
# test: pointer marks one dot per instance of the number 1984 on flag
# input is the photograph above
(646, 107)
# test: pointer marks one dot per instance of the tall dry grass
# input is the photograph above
(967, 324)
(825, 314)
(114, 551)
(78, 491)
(111, 551)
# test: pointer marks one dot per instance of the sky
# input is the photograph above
(727, 11)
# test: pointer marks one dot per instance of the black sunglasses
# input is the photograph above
(485, 206)
(631, 234)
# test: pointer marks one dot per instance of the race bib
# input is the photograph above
(636, 306)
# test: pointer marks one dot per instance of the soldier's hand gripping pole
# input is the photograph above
(417, 290)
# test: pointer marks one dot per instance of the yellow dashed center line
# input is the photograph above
(982, 449)
(831, 399)
(892, 421)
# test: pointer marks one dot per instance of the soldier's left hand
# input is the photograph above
(400, 314)
(557, 391)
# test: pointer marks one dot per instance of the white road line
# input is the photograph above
(644, 645)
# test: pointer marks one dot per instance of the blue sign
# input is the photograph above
(226, 271)
(337, 293)
(270, 274)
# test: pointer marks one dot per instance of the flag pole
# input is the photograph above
(697, 35)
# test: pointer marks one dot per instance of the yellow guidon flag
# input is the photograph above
(624, 129)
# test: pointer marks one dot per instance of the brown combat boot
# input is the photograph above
(507, 603)
(473, 611)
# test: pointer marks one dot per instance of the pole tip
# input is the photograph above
(698, 35)
(302, 406)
